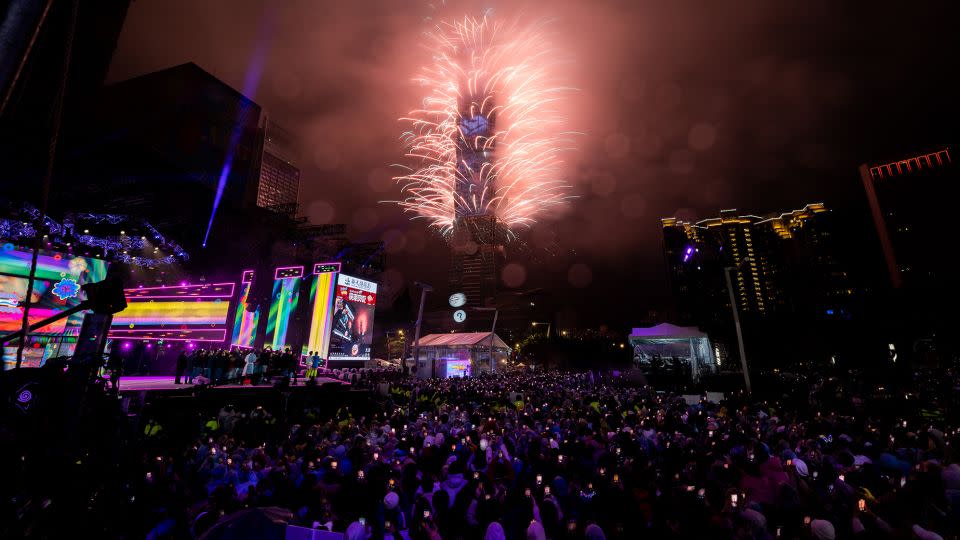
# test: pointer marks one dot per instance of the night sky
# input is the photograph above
(686, 107)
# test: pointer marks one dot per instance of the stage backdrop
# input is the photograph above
(245, 322)
(177, 312)
(286, 298)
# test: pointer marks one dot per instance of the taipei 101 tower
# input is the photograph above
(477, 240)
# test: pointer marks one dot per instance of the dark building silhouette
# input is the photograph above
(911, 200)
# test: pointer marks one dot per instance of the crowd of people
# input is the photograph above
(556, 456)
(222, 366)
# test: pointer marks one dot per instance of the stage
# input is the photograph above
(165, 383)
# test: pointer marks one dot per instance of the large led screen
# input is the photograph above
(286, 297)
(185, 312)
(245, 322)
(56, 287)
(352, 332)
(323, 283)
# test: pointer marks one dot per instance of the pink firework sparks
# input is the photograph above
(489, 138)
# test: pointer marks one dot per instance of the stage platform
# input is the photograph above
(165, 383)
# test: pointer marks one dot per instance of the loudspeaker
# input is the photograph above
(106, 296)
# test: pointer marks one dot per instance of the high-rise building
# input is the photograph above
(781, 264)
(910, 198)
(158, 146)
(477, 239)
(279, 184)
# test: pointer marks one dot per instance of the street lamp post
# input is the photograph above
(424, 289)
(736, 322)
(493, 329)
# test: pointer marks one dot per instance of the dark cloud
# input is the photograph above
(687, 107)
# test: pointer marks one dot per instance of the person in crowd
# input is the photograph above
(552, 455)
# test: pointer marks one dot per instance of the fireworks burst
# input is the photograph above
(488, 140)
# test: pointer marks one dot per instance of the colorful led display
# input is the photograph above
(245, 322)
(352, 321)
(56, 287)
(286, 297)
(186, 312)
(323, 284)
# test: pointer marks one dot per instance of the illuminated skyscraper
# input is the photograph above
(477, 239)
(279, 184)
(785, 264)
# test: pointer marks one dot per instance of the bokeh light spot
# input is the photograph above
(514, 275)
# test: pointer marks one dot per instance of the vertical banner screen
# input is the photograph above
(352, 332)
(286, 296)
(245, 322)
(323, 284)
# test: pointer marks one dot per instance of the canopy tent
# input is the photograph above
(685, 343)
(460, 354)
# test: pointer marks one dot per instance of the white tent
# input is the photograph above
(460, 354)
(668, 341)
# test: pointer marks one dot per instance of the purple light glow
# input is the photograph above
(687, 253)
(250, 83)
(127, 345)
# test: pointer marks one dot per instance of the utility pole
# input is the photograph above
(736, 322)
(424, 289)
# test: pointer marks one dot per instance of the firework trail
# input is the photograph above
(488, 138)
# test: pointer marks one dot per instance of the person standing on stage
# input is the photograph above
(314, 365)
(263, 362)
(181, 366)
(191, 366)
(290, 364)
(249, 365)
(211, 365)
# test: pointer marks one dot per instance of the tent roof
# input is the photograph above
(461, 339)
(667, 331)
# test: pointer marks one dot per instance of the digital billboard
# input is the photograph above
(184, 312)
(56, 287)
(245, 322)
(286, 297)
(323, 284)
(352, 332)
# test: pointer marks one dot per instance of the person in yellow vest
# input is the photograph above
(152, 429)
